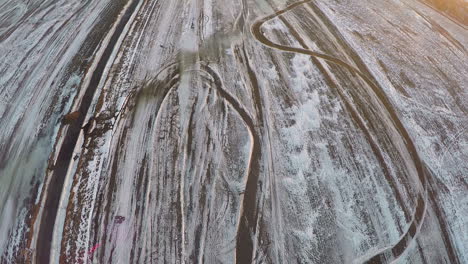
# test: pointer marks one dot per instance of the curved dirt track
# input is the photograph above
(397, 248)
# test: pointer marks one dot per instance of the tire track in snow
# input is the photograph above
(248, 212)
(102, 232)
(54, 189)
(263, 122)
(156, 93)
(248, 121)
(360, 121)
(398, 248)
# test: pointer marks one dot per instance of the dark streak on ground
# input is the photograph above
(54, 190)
(248, 213)
(357, 118)
(398, 248)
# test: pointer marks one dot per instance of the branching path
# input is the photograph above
(398, 248)
(247, 212)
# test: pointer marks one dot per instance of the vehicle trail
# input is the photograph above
(151, 95)
(398, 248)
(248, 212)
(57, 178)
(263, 122)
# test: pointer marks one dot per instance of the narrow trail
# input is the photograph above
(53, 192)
(264, 122)
(155, 92)
(248, 211)
(398, 248)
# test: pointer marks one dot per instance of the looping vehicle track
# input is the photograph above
(395, 250)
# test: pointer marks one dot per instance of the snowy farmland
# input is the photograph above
(215, 131)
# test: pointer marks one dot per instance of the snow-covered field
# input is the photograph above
(251, 131)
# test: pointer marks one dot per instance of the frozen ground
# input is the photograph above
(215, 131)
